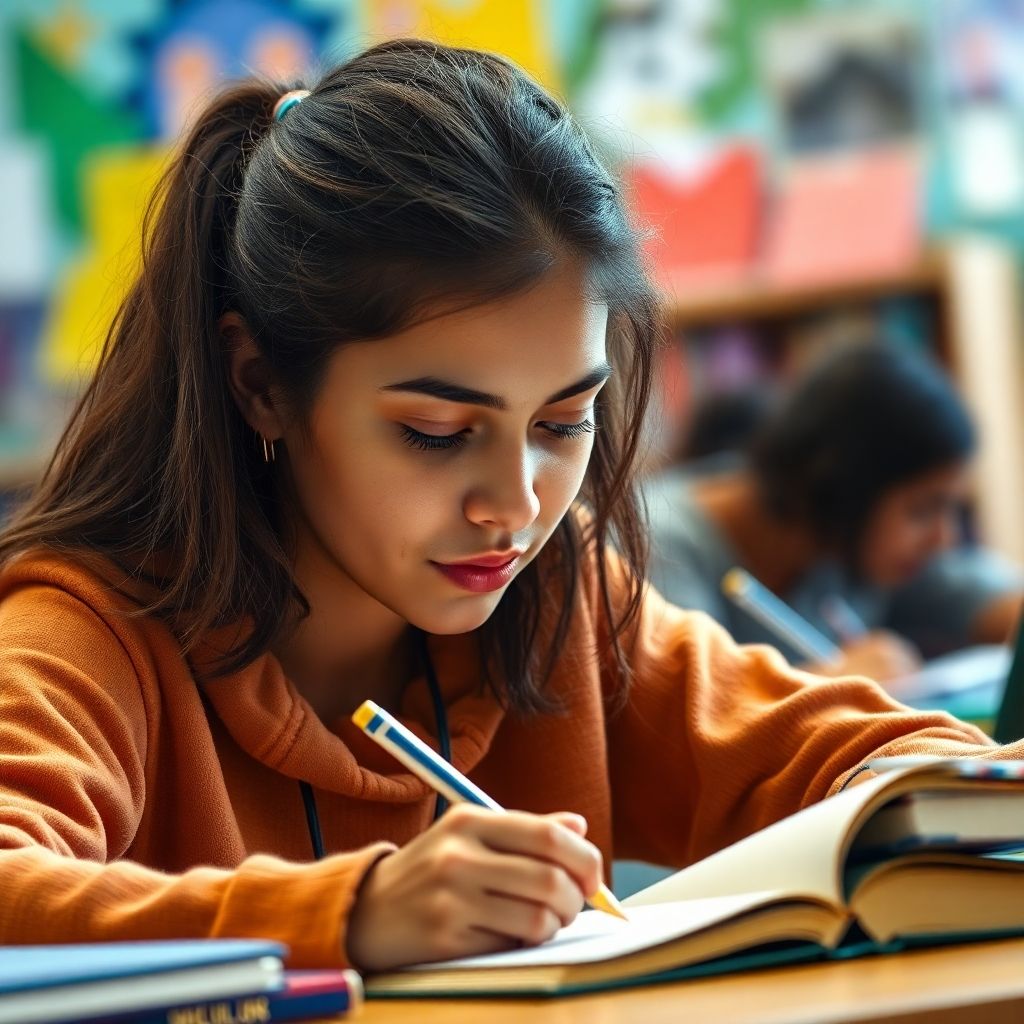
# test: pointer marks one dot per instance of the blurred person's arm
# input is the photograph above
(998, 621)
(879, 654)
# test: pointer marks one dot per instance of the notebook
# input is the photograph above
(60, 984)
(798, 890)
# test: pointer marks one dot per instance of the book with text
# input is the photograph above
(806, 887)
(306, 995)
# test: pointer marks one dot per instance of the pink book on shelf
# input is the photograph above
(845, 217)
(703, 224)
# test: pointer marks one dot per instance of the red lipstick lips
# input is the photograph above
(481, 574)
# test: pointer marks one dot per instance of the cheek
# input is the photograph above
(364, 499)
(402, 501)
(915, 532)
(881, 544)
(559, 479)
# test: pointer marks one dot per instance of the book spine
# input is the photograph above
(264, 1008)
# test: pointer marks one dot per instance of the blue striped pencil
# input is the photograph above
(437, 773)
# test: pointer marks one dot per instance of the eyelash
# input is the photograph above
(440, 442)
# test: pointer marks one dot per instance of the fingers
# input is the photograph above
(572, 821)
(542, 838)
(516, 922)
(529, 881)
(506, 924)
(475, 882)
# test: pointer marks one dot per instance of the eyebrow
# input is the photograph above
(450, 392)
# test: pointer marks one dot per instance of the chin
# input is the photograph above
(454, 621)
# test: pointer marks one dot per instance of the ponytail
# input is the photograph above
(154, 464)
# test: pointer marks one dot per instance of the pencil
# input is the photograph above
(772, 612)
(443, 777)
(841, 616)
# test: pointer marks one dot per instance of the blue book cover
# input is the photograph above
(65, 983)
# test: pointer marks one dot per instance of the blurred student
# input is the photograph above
(853, 487)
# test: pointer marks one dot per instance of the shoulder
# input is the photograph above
(78, 607)
(36, 579)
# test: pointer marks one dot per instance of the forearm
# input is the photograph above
(52, 898)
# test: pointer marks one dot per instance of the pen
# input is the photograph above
(434, 770)
(757, 600)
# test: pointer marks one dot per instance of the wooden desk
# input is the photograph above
(980, 983)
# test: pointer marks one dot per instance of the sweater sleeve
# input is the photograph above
(73, 741)
(718, 740)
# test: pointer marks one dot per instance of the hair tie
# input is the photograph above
(287, 101)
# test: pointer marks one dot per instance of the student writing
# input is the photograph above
(363, 429)
(853, 487)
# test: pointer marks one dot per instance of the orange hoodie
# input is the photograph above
(135, 803)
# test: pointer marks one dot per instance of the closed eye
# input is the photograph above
(420, 441)
(432, 442)
(571, 430)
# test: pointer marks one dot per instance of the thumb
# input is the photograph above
(572, 821)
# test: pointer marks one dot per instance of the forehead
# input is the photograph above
(527, 344)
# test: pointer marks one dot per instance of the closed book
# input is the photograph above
(950, 821)
(306, 995)
(800, 889)
(65, 984)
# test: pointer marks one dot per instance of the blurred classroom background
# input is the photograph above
(808, 170)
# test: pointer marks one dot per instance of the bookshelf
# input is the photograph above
(970, 292)
(754, 298)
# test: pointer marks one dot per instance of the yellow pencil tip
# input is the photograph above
(604, 900)
(364, 713)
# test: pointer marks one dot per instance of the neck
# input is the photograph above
(349, 648)
(775, 551)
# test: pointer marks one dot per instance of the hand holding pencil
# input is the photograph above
(476, 881)
(878, 654)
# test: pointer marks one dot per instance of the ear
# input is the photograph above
(250, 378)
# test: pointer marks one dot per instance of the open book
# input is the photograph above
(806, 887)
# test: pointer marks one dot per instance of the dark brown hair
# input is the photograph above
(413, 174)
(863, 420)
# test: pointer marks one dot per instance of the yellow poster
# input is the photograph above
(515, 28)
(117, 184)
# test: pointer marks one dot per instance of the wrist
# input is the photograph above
(360, 911)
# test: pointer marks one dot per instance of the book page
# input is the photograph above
(931, 894)
(596, 936)
(800, 855)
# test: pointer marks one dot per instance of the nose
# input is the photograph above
(503, 493)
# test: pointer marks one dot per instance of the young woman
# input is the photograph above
(854, 488)
(385, 337)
